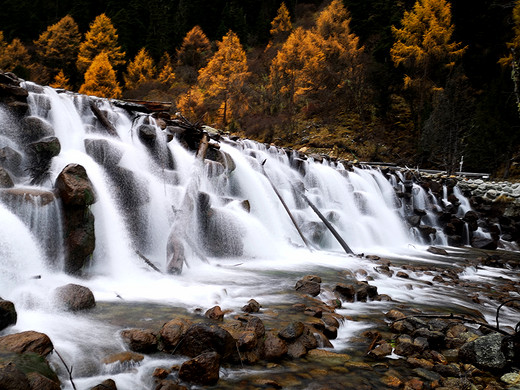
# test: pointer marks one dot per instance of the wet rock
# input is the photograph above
(5, 179)
(247, 340)
(11, 160)
(147, 134)
(427, 374)
(484, 352)
(43, 150)
(201, 338)
(35, 128)
(394, 315)
(381, 351)
(140, 340)
(74, 186)
(11, 378)
(8, 314)
(201, 370)
(215, 313)
(310, 287)
(256, 325)
(274, 347)
(124, 358)
(107, 384)
(252, 306)
(29, 341)
(73, 297)
(360, 291)
(103, 151)
(437, 251)
(447, 370)
(39, 382)
(292, 331)
(296, 350)
(483, 243)
(313, 312)
(172, 332)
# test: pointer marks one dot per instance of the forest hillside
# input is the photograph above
(427, 83)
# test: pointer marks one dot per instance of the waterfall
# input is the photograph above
(238, 239)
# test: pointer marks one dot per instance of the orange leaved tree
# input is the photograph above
(100, 79)
(140, 70)
(222, 80)
(102, 36)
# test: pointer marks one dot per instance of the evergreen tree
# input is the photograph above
(57, 47)
(140, 70)
(100, 79)
(101, 37)
(166, 72)
(296, 71)
(61, 81)
(193, 54)
(281, 25)
(15, 58)
(223, 78)
(343, 75)
(423, 44)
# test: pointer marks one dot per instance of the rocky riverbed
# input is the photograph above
(301, 342)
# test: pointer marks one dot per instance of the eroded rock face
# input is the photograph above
(202, 370)
(74, 297)
(29, 341)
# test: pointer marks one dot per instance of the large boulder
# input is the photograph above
(200, 338)
(103, 151)
(12, 378)
(74, 186)
(202, 370)
(274, 347)
(172, 332)
(107, 384)
(35, 128)
(8, 314)
(29, 341)
(485, 352)
(74, 297)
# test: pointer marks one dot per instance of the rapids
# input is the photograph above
(262, 254)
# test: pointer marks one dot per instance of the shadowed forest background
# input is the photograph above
(424, 83)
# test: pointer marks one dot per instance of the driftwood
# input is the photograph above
(203, 147)
(307, 244)
(148, 262)
(328, 225)
(69, 370)
(103, 120)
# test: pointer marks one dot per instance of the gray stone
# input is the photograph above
(484, 352)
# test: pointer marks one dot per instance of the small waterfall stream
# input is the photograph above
(233, 219)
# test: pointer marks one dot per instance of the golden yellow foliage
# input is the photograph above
(195, 49)
(424, 40)
(191, 104)
(100, 79)
(57, 47)
(61, 81)
(514, 45)
(14, 55)
(281, 24)
(297, 68)
(223, 78)
(140, 70)
(166, 73)
(102, 36)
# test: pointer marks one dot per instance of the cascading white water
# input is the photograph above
(142, 186)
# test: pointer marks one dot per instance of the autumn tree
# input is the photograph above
(100, 78)
(101, 37)
(223, 78)
(513, 57)
(14, 57)
(296, 70)
(343, 75)
(281, 25)
(140, 70)
(423, 44)
(166, 73)
(57, 49)
(193, 54)
(61, 81)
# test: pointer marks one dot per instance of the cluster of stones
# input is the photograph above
(446, 354)
(23, 363)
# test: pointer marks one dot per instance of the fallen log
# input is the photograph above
(148, 262)
(103, 119)
(307, 244)
(328, 225)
